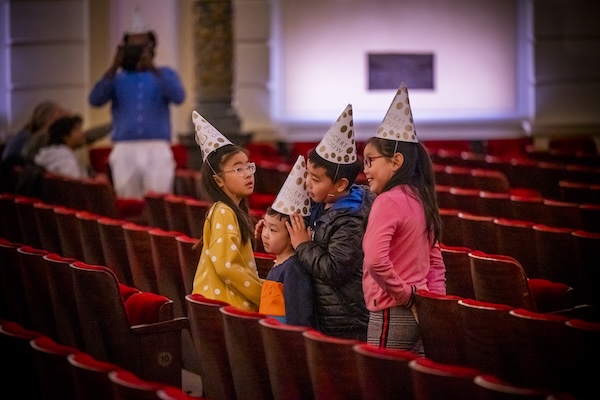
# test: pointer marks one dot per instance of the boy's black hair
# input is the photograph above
(416, 172)
(335, 171)
(61, 128)
(274, 213)
(213, 165)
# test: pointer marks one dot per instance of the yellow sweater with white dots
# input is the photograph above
(226, 269)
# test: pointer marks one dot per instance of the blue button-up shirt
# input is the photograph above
(140, 102)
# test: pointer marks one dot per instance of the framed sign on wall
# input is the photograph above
(387, 70)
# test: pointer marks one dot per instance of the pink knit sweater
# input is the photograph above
(398, 252)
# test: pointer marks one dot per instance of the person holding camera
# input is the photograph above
(140, 93)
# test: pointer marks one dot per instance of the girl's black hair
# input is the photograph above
(416, 172)
(335, 171)
(213, 165)
(62, 128)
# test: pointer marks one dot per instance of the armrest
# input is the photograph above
(174, 324)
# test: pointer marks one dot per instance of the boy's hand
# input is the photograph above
(258, 228)
(299, 233)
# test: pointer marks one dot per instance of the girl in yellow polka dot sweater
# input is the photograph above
(227, 269)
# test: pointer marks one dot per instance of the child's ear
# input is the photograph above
(219, 181)
(397, 161)
(342, 185)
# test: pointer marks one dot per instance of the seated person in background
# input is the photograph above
(287, 292)
(44, 114)
(58, 157)
(31, 142)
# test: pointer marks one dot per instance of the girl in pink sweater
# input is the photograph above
(401, 242)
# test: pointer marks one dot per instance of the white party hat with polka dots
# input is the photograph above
(398, 122)
(137, 24)
(338, 145)
(293, 196)
(207, 136)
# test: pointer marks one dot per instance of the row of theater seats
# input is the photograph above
(558, 254)
(526, 348)
(577, 187)
(39, 367)
(252, 351)
(85, 306)
(520, 205)
(147, 257)
(496, 278)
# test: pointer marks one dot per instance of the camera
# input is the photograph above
(131, 56)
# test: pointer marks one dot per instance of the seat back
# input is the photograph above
(196, 214)
(48, 227)
(466, 199)
(590, 215)
(208, 334)
(383, 373)
(264, 263)
(90, 377)
(114, 248)
(451, 227)
(440, 327)
(63, 301)
(332, 366)
(189, 255)
(166, 268)
(490, 180)
(184, 183)
(490, 387)
(11, 229)
(561, 214)
(488, 337)
(99, 198)
(53, 368)
(500, 279)
(139, 334)
(285, 354)
(90, 238)
(526, 208)
(17, 352)
(156, 211)
(445, 199)
(583, 337)
(37, 293)
(26, 217)
(139, 254)
(458, 271)
(177, 214)
(246, 353)
(543, 353)
(515, 239)
(68, 231)
(128, 386)
(555, 249)
(433, 380)
(13, 289)
(479, 232)
(587, 256)
(494, 204)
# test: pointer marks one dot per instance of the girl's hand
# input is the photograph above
(299, 233)
(258, 228)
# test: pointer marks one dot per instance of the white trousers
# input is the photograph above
(142, 166)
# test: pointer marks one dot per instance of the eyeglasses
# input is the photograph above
(369, 160)
(249, 168)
